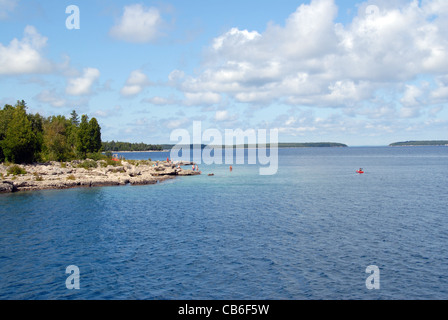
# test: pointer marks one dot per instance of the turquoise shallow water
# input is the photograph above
(308, 232)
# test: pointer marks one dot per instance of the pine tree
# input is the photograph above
(83, 136)
(95, 136)
(74, 118)
(20, 144)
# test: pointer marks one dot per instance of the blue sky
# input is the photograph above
(360, 73)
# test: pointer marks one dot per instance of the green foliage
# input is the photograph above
(127, 146)
(420, 143)
(56, 147)
(20, 144)
(118, 170)
(88, 136)
(15, 170)
(83, 139)
(74, 118)
(88, 164)
(113, 163)
(97, 156)
(71, 177)
(26, 138)
(95, 136)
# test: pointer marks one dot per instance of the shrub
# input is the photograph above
(88, 164)
(113, 163)
(15, 170)
(96, 156)
(71, 177)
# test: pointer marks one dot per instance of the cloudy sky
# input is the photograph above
(360, 73)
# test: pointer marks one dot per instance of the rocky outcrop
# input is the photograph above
(6, 186)
(55, 175)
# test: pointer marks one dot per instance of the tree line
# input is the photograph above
(420, 143)
(128, 146)
(28, 138)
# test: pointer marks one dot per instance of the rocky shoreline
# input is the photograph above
(89, 173)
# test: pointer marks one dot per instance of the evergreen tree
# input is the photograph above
(5, 119)
(74, 118)
(95, 136)
(83, 136)
(55, 139)
(20, 144)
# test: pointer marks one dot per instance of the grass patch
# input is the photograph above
(71, 177)
(113, 163)
(88, 164)
(15, 170)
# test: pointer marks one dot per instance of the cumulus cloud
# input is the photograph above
(24, 56)
(52, 98)
(440, 94)
(135, 83)
(138, 24)
(311, 60)
(161, 101)
(7, 6)
(222, 115)
(201, 98)
(83, 85)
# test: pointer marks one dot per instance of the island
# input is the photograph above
(420, 143)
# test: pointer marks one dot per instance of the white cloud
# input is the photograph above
(24, 56)
(201, 98)
(82, 85)
(440, 94)
(412, 96)
(7, 6)
(135, 83)
(176, 123)
(222, 115)
(311, 60)
(52, 98)
(138, 24)
(161, 101)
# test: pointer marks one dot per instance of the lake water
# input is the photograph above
(308, 232)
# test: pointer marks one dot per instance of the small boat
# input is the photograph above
(360, 171)
(211, 174)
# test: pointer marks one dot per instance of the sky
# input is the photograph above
(359, 73)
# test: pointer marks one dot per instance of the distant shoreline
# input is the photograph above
(280, 146)
(430, 143)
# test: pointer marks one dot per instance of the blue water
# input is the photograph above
(308, 232)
